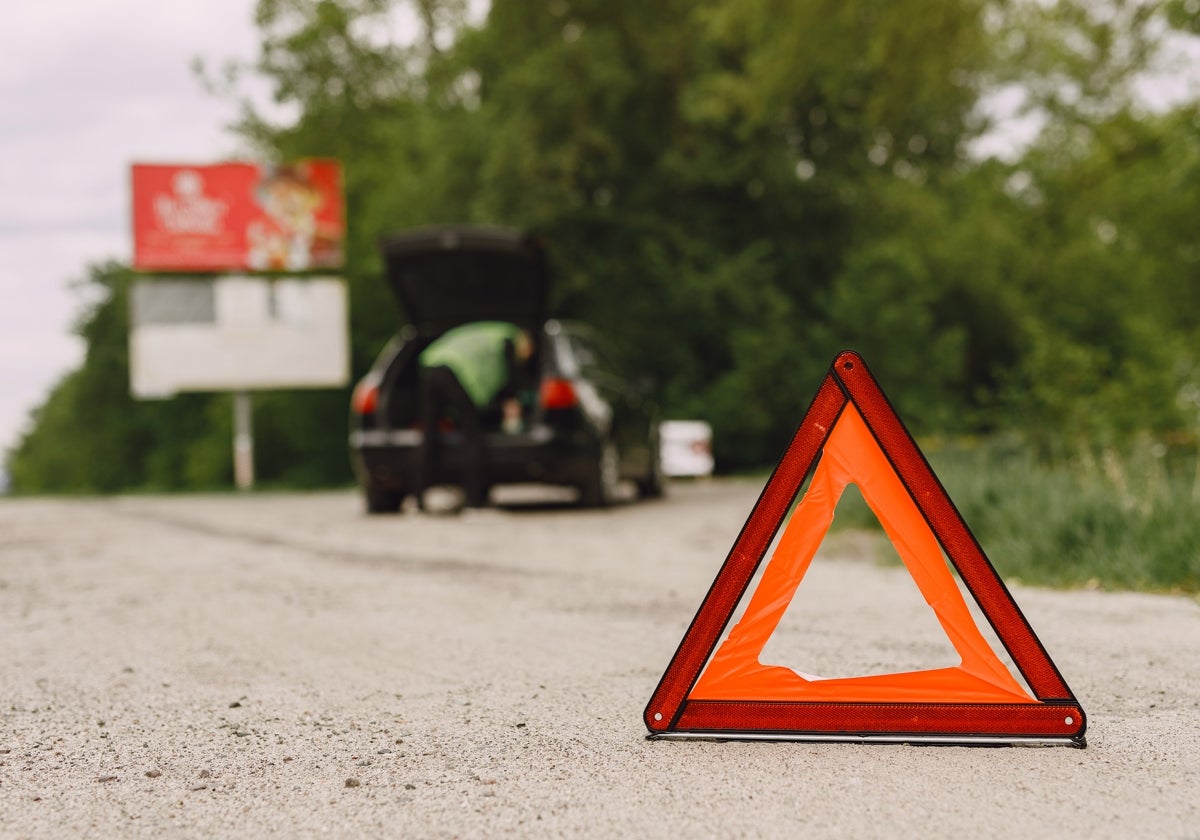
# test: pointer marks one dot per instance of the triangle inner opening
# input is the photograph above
(851, 617)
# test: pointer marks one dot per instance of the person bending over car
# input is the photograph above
(464, 373)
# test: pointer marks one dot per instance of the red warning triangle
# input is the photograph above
(851, 434)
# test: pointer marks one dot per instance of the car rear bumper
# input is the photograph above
(388, 459)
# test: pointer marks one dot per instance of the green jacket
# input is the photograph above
(475, 352)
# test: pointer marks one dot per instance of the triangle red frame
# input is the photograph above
(1054, 717)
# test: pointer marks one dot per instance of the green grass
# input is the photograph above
(1111, 520)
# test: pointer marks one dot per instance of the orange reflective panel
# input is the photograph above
(851, 455)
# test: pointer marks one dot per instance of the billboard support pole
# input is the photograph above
(243, 441)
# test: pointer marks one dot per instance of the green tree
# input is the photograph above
(1109, 329)
(734, 190)
(705, 170)
(91, 436)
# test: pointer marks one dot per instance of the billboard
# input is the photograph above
(238, 217)
(237, 334)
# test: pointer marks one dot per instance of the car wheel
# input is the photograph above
(600, 490)
(382, 501)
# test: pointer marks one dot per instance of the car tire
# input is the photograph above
(382, 501)
(600, 489)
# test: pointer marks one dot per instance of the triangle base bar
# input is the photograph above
(873, 738)
(951, 722)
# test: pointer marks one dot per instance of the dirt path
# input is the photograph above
(282, 665)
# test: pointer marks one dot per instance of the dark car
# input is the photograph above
(585, 425)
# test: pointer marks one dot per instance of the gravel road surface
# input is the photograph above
(282, 665)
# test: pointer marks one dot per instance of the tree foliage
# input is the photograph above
(734, 190)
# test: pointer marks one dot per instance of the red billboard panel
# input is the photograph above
(238, 217)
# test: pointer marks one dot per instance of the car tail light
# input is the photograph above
(366, 396)
(558, 393)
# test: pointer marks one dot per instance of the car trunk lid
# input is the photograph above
(446, 276)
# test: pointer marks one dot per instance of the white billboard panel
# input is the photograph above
(237, 334)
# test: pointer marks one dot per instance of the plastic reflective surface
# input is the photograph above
(854, 426)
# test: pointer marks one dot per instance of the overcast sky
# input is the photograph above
(87, 88)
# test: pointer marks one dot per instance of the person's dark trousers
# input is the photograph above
(440, 389)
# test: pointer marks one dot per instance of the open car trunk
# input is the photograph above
(451, 275)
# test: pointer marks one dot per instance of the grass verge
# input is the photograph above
(1112, 520)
